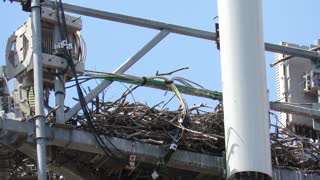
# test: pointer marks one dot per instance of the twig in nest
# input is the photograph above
(169, 73)
(196, 132)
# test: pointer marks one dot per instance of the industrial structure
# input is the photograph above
(47, 50)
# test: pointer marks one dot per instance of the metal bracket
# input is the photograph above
(63, 44)
(173, 146)
(217, 35)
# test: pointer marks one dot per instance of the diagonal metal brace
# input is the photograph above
(124, 67)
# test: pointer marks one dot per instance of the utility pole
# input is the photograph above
(38, 89)
(244, 89)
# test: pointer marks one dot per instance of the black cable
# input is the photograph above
(63, 29)
(79, 83)
(62, 82)
(144, 81)
(82, 100)
(57, 53)
(173, 147)
(79, 91)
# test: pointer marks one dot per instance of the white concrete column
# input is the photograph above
(244, 85)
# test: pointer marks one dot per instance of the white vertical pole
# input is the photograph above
(244, 87)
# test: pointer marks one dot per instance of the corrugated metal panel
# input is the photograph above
(286, 174)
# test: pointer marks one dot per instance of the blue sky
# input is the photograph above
(110, 43)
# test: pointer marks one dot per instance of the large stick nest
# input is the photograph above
(204, 132)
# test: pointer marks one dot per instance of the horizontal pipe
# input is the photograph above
(135, 21)
(157, 84)
(292, 109)
(291, 51)
(291, 56)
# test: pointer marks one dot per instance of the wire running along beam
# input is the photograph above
(200, 92)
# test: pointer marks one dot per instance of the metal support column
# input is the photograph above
(124, 67)
(38, 89)
(244, 88)
(59, 83)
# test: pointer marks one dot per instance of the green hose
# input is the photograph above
(151, 82)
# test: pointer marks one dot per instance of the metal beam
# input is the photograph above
(135, 21)
(84, 141)
(25, 178)
(123, 68)
(291, 51)
(293, 109)
(287, 174)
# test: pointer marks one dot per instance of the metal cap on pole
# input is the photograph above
(244, 88)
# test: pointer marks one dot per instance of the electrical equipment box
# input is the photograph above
(19, 52)
(19, 49)
(298, 82)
